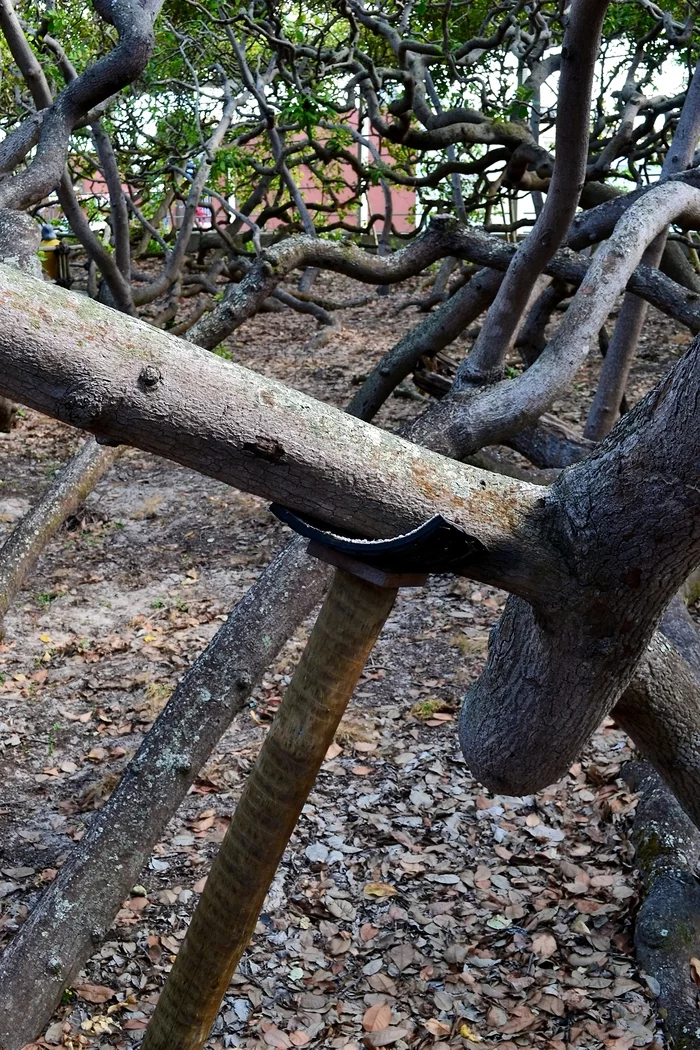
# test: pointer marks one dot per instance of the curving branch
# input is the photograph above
(618, 360)
(116, 270)
(579, 52)
(133, 20)
(468, 420)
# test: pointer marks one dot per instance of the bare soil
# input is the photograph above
(413, 908)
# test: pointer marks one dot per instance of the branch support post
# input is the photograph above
(274, 794)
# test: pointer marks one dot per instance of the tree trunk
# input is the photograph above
(19, 241)
(667, 928)
(273, 796)
(8, 413)
(624, 526)
(660, 709)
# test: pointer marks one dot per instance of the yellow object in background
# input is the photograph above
(54, 257)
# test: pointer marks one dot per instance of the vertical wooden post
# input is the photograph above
(273, 796)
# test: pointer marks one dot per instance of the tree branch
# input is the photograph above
(121, 380)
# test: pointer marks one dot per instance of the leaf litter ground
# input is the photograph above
(413, 908)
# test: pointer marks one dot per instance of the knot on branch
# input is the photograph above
(150, 377)
(81, 408)
(444, 224)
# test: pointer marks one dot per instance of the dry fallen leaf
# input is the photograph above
(383, 984)
(54, 1034)
(94, 993)
(521, 1018)
(552, 1004)
(402, 955)
(695, 970)
(437, 1028)
(386, 1036)
(544, 945)
(300, 1037)
(376, 1017)
(379, 889)
(274, 1037)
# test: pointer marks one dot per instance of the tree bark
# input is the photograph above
(679, 627)
(625, 540)
(551, 443)
(19, 241)
(123, 381)
(667, 928)
(660, 710)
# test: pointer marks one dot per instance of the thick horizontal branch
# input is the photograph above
(126, 382)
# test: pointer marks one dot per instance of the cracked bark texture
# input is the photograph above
(19, 241)
(667, 928)
(660, 710)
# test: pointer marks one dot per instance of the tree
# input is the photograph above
(592, 562)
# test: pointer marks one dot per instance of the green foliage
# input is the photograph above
(160, 125)
(519, 108)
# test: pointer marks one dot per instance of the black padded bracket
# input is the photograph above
(436, 546)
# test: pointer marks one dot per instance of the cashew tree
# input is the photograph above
(591, 561)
